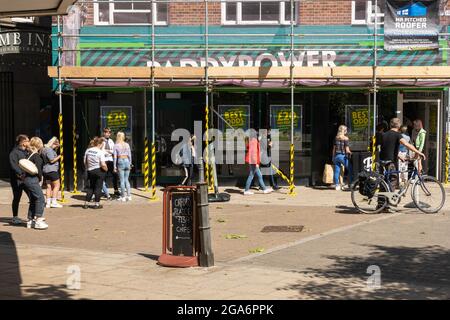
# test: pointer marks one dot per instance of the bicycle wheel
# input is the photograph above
(428, 194)
(365, 204)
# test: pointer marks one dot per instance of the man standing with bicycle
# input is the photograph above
(391, 141)
(390, 145)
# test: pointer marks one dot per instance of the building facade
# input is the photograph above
(328, 34)
(25, 88)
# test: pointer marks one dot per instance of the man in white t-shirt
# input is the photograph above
(108, 149)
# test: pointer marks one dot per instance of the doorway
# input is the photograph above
(429, 112)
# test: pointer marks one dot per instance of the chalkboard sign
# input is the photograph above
(183, 224)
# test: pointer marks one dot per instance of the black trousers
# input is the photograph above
(18, 187)
(96, 178)
(115, 175)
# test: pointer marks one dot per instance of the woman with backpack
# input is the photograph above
(32, 183)
(51, 172)
(341, 154)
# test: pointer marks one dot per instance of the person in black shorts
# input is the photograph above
(51, 172)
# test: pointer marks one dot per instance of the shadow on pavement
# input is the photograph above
(10, 277)
(405, 273)
(235, 191)
(7, 222)
(149, 256)
(347, 210)
(46, 292)
(11, 287)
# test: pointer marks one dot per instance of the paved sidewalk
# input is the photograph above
(413, 253)
(116, 249)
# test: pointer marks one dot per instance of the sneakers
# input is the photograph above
(338, 187)
(129, 198)
(268, 190)
(55, 205)
(99, 206)
(16, 221)
(47, 206)
(248, 193)
(40, 224)
(122, 199)
(30, 224)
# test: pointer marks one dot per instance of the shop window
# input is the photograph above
(363, 12)
(256, 12)
(131, 12)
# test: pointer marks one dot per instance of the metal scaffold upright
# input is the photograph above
(292, 85)
(208, 173)
(75, 139)
(375, 87)
(153, 192)
(60, 116)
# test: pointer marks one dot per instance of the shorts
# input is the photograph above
(51, 176)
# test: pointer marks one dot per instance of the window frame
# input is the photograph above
(112, 10)
(369, 16)
(239, 21)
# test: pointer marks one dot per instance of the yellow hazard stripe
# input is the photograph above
(153, 171)
(61, 149)
(291, 182)
(146, 166)
(75, 169)
(281, 174)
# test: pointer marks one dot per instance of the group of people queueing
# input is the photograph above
(104, 156)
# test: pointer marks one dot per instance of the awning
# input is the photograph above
(18, 8)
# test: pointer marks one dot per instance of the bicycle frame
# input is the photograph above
(395, 197)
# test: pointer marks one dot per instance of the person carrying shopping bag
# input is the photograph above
(341, 154)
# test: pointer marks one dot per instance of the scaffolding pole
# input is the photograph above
(75, 139)
(209, 178)
(292, 149)
(375, 64)
(60, 116)
(153, 196)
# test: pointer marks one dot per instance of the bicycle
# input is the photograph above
(427, 192)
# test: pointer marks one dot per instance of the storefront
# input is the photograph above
(333, 86)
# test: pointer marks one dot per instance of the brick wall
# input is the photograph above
(324, 12)
(193, 13)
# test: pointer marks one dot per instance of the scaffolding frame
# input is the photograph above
(209, 82)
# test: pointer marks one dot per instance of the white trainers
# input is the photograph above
(30, 224)
(123, 199)
(268, 190)
(128, 198)
(47, 206)
(338, 187)
(40, 224)
(248, 193)
(16, 221)
(55, 205)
